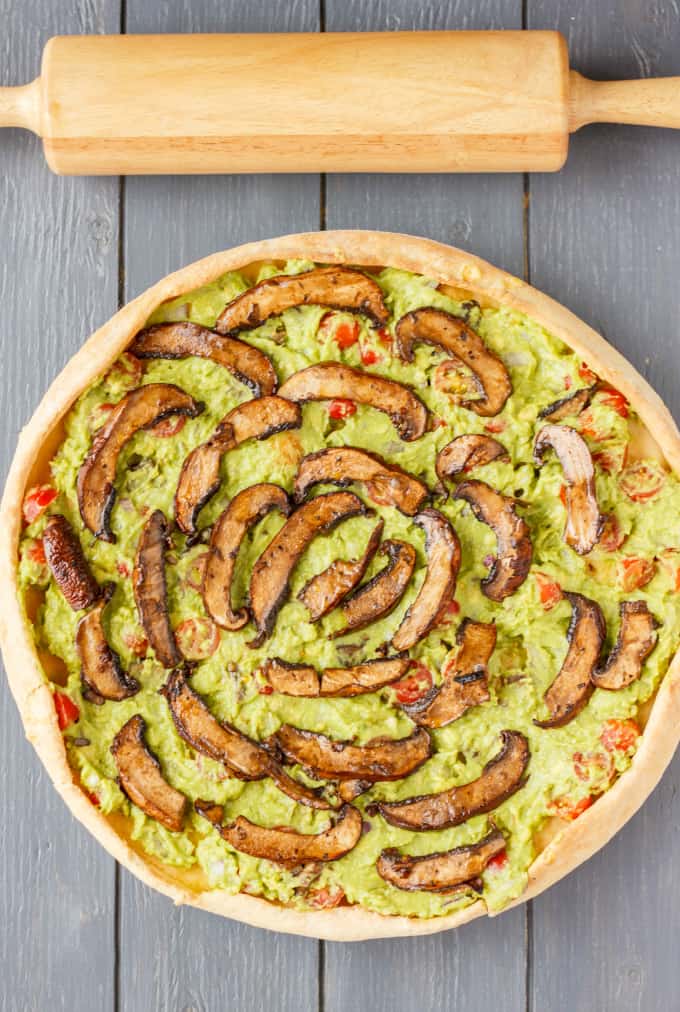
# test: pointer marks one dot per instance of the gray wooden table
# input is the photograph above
(603, 236)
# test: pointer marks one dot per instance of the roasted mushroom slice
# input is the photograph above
(327, 589)
(286, 846)
(329, 380)
(68, 564)
(342, 465)
(150, 590)
(572, 686)
(335, 287)
(383, 593)
(328, 759)
(443, 561)
(180, 340)
(140, 409)
(200, 475)
(242, 513)
(514, 553)
(140, 777)
(457, 339)
(464, 453)
(500, 778)
(303, 680)
(636, 640)
(348, 790)
(566, 407)
(465, 683)
(269, 582)
(584, 520)
(449, 871)
(101, 671)
(291, 679)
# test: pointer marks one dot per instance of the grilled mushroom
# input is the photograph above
(329, 380)
(303, 680)
(450, 871)
(286, 846)
(328, 759)
(572, 686)
(269, 583)
(500, 778)
(68, 564)
(242, 513)
(335, 287)
(465, 684)
(464, 453)
(140, 409)
(566, 407)
(180, 340)
(150, 590)
(101, 671)
(439, 586)
(383, 593)
(636, 640)
(455, 337)
(513, 560)
(344, 464)
(140, 777)
(200, 475)
(584, 520)
(348, 790)
(327, 589)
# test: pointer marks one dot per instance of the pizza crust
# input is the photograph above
(448, 266)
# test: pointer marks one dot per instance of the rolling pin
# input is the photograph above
(496, 101)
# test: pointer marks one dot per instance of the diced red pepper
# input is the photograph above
(419, 682)
(614, 399)
(448, 612)
(619, 735)
(325, 898)
(369, 356)
(341, 408)
(495, 427)
(122, 568)
(345, 333)
(136, 643)
(642, 480)
(563, 495)
(265, 690)
(498, 861)
(37, 500)
(611, 460)
(586, 374)
(100, 415)
(92, 798)
(36, 552)
(568, 382)
(549, 590)
(567, 809)
(67, 711)
(384, 336)
(635, 573)
(197, 638)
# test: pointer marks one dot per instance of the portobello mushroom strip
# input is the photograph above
(514, 552)
(330, 380)
(569, 406)
(464, 453)
(303, 680)
(68, 564)
(102, 674)
(453, 336)
(287, 846)
(636, 640)
(242, 513)
(336, 287)
(200, 475)
(328, 759)
(181, 340)
(150, 590)
(447, 871)
(140, 777)
(343, 465)
(465, 683)
(327, 589)
(500, 778)
(383, 593)
(584, 520)
(269, 582)
(140, 409)
(572, 686)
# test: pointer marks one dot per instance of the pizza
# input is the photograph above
(342, 582)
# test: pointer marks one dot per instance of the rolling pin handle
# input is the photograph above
(654, 101)
(20, 106)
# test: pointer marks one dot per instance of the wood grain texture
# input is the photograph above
(58, 267)
(604, 240)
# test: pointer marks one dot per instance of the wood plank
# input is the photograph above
(174, 958)
(58, 282)
(485, 215)
(603, 240)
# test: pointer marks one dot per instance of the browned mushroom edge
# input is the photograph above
(584, 520)
(442, 548)
(635, 642)
(304, 680)
(327, 589)
(68, 564)
(228, 534)
(501, 777)
(343, 465)
(330, 380)
(569, 406)
(140, 777)
(466, 452)
(457, 339)
(514, 553)
(200, 475)
(335, 287)
(572, 686)
(101, 671)
(383, 593)
(329, 759)
(466, 682)
(140, 409)
(443, 872)
(150, 590)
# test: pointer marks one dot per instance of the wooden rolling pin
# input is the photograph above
(381, 102)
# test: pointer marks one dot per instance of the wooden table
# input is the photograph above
(603, 237)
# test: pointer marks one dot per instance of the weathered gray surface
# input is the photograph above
(603, 238)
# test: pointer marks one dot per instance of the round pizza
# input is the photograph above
(342, 578)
